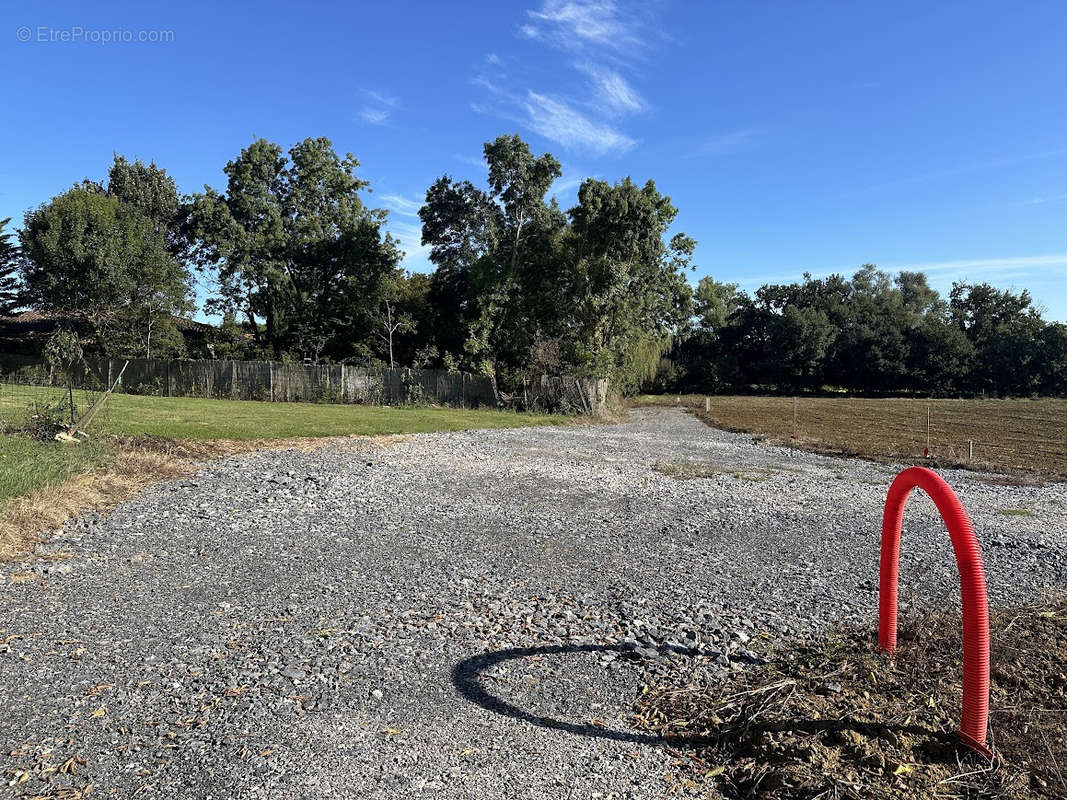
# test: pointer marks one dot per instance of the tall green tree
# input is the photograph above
(295, 247)
(700, 357)
(872, 332)
(784, 336)
(10, 296)
(495, 252)
(1053, 359)
(871, 348)
(714, 302)
(1004, 327)
(460, 227)
(599, 285)
(97, 260)
(240, 234)
(625, 292)
(153, 192)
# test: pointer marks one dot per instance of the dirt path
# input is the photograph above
(450, 615)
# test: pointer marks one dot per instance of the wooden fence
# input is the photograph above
(275, 381)
(280, 382)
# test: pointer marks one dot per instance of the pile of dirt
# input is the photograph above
(839, 719)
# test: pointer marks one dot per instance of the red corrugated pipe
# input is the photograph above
(975, 717)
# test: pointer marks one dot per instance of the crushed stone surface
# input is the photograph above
(453, 615)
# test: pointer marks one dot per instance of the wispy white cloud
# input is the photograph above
(565, 186)
(1015, 266)
(614, 95)
(726, 143)
(597, 33)
(409, 234)
(1041, 200)
(474, 161)
(375, 116)
(1003, 270)
(487, 84)
(404, 224)
(402, 205)
(556, 120)
(578, 24)
(383, 99)
(381, 107)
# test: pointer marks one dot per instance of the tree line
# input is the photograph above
(874, 333)
(297, 264)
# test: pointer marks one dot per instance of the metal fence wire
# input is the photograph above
(34, 395)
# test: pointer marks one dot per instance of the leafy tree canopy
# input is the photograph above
(91, 257)
(295, 246)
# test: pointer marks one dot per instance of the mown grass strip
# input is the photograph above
(200, 418)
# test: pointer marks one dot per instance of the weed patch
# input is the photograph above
(840, 719)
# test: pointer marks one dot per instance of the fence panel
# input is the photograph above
(316, 383)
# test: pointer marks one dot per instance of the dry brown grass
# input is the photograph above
(102, 488)
(1010, 436)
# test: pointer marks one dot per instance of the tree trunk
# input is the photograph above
(390, 327)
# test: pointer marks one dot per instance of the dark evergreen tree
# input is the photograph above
(10, 297)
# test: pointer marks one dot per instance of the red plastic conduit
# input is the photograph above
(975, 717)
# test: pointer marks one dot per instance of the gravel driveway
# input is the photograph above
(451, 615)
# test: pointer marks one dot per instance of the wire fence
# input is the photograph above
(41, 400)
(1028, 435)
(33, 394)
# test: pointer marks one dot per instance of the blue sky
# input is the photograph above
(793, 136)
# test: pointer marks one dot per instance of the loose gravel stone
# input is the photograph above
(456, 615)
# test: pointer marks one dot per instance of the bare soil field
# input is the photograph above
(1012, 436)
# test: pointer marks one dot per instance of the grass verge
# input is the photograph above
(96, 482)
(200, 418)
(839, 719)
(145, 439)
(27, 464)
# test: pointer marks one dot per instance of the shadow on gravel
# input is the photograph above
(467, 678)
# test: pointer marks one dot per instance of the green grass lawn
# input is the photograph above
(27, 464)
(197, 418)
